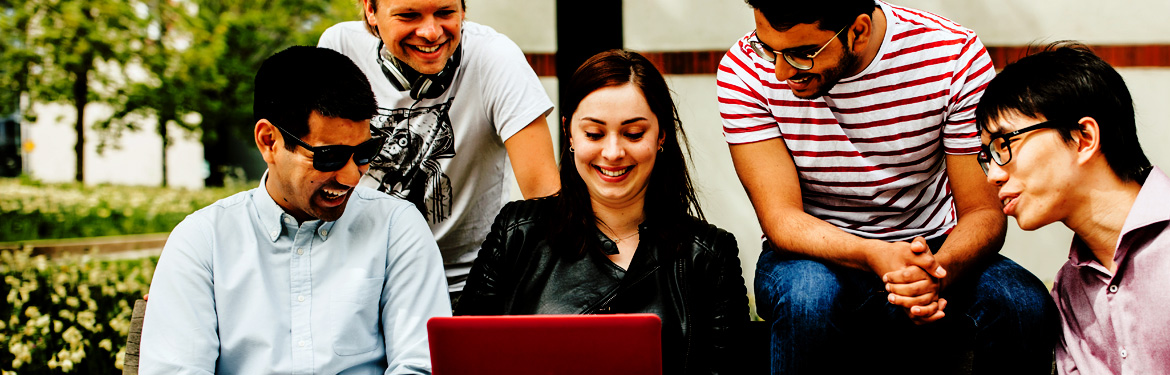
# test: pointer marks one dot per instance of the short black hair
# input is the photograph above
(299, 80)
(831, 15)
(1063, 83)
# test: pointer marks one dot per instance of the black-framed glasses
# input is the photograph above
(800, 61)
(999, 148)
(334, 157)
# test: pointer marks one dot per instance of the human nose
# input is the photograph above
(995, 174)
(611, 149)
(351, 173)
(430, 29)
(784, 70)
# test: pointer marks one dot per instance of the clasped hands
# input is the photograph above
(913, 279)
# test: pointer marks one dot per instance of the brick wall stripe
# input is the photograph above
(706, 62)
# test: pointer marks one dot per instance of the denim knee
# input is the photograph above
(803, 292)
(1011, 290)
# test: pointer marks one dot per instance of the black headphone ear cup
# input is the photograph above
(429, 87)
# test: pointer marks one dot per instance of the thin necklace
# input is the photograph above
(619, 240)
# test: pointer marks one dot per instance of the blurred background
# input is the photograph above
(163, 89)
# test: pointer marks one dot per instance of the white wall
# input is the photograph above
(133, 159)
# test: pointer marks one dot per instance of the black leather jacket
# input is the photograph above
(697, 291)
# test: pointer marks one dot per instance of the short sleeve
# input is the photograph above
(512, 92)
(744, 110)
(974, 71)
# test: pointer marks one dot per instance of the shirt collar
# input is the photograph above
(271, 215)
(1150, 207)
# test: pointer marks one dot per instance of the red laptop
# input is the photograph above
(546, 344)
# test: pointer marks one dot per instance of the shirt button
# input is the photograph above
(301, 343)
(300, 298)
(274, 233)
(301, 251)
(1113, 289)
(324, 233)
(1124, 353)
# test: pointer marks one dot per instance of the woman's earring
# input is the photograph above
(660, 148)
(571, 149)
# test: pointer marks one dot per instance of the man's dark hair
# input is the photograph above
(670, 198)
(1063, 83)
(301, 79)
(831, 15)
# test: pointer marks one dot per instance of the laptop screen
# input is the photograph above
(546, 344)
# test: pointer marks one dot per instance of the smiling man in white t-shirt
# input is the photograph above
(459, 104)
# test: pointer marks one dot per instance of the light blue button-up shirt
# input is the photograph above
(241, 288)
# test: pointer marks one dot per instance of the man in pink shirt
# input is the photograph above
(1059, 141)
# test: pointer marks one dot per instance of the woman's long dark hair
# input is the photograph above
(670, 199)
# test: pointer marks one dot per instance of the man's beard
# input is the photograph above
(831, 76)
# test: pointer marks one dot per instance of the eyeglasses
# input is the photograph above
(799, 61)
(333, 157)
(999, 148)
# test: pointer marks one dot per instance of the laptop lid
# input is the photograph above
(546, 344)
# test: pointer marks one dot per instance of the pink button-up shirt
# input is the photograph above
(1120, 323)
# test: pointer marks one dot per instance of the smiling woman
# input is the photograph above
(622, 235)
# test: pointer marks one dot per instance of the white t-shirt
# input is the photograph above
(446, 155)
(870, 153)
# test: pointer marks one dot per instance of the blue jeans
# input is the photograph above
(827, 319)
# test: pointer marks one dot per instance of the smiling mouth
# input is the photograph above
(1007, 200)
(613, 173)
(333, 194)
(427, 49)
(803, 79)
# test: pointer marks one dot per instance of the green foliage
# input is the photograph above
(201, 57)
(67, 315)
(68, 51)
(187, 63)
(29, 210)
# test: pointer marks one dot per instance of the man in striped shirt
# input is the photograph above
(850, 123)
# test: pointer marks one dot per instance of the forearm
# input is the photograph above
(976, 236)
(531, 154)
(803, 235)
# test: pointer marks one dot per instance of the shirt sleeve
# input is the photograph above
(415, 291)
(743, 108)
(974, 72)
(179, 332)
(512, 92)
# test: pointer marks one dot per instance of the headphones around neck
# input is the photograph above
(421, 86)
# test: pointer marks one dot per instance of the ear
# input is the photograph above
(860, 31)
(265, 135)
(1087, 139)
(368, 9)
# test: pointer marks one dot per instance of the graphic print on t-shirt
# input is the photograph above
(408, 166)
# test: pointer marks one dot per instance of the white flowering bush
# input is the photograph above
(30, 210)
(68, 315)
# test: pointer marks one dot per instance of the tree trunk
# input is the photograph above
(80, 99)
(162, 131)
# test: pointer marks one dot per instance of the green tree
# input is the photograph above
(66, 51)
(202, 55)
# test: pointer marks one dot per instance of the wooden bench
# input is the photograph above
(134, 339)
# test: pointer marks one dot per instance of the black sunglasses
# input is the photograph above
(333, 157)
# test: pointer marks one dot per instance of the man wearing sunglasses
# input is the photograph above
(307, 273)
(850, 124)
(460, 106)
(1060, 143)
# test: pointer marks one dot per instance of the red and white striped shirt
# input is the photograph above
(870, 153)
